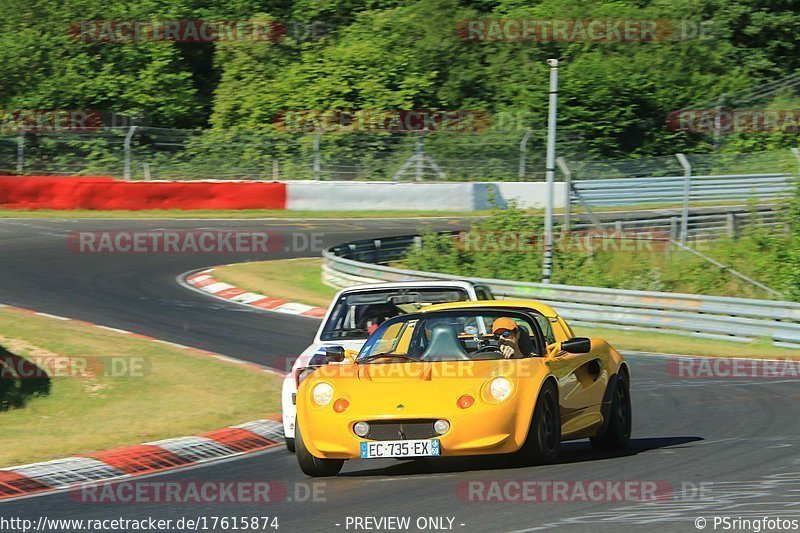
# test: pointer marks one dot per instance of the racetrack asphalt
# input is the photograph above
(715, 447)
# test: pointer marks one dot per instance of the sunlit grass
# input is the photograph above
(178, 394)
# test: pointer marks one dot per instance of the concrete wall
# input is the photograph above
(47, 192)
(353, 195)
(531, 194)
(366, 195)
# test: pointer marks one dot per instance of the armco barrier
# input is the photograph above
(736, 319)
(47, 192)
(704, 223)
(671, 189)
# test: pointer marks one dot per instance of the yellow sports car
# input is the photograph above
(465, 378)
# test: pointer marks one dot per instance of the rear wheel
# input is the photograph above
(290, 444)
(314, 466)
(543, 442)
(617, 434)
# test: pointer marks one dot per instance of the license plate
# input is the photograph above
(400, 448)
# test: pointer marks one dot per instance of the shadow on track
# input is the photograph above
(20, 380)
(571, 452)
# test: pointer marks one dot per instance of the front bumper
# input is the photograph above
(488, 430)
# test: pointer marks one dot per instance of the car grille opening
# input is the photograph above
(401, 429)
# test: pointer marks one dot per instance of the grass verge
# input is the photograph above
(176, 394)
(298, 280)
(643, 341)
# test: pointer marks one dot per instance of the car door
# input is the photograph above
(582, 380)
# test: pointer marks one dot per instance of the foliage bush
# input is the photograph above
(506, 245)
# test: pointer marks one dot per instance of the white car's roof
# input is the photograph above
(448, 284)
(408, 284)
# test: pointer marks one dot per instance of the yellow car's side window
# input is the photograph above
(546, 327)
(404, 340)
(387, 341)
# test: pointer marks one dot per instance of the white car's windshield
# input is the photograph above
(356, 315)
(454, 336)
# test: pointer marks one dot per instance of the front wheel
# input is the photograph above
(618, 430)
(543, 443)
(314, 466)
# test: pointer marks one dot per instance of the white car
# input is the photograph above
(357, 311)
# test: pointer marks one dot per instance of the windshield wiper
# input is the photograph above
(387, 355)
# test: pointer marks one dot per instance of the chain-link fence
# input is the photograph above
(144, 152)
(157, 153)
(777, 161)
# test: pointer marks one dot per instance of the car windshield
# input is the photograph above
(460, 335)
(356, 315)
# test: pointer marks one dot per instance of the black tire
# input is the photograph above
(617, 432)
(314, 466)
(543, 443)
(290, 445)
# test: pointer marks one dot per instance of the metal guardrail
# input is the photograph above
(702, 225)
(716, 317)
(633, 191)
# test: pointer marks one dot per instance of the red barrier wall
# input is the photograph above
(48, 192)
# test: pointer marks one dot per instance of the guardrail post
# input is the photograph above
(796, 152)
(418, 242)
(687, 185)
(523, 147)
(419, 152)
(730, 225)
(562, 165)
(377, 246)
(126, 146)
(20, 153)
(673, 235)
(316, 153)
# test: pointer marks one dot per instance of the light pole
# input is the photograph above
(550, 171)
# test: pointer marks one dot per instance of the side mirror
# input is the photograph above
(334, 354)
(577, 345)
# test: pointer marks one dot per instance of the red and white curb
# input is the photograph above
(145, 458)
(139, 460)
(205, 282)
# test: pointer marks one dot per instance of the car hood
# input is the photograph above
(433, 374)
(418, 389)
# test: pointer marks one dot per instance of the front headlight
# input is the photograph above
(500, 388)
(322, 394)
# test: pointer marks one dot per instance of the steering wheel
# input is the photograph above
(487, 349)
